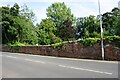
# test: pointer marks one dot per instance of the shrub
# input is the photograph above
(89, 41)
(58, 45)
(16, 44)
(54, 39)
(113, 39)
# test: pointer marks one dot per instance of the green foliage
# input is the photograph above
(58, 45)
(16, 44)
(90, 27)
(14, 11)
(43, 37)
(117, 29)
(111, 21)
(24, 30)
(54, 39)
(47, 31)
(7, 22)
(27, 13)
(89, 41)
(67, 31)
(87, 27)
(113, 39)
(16, 28)
(59, 13)
(95, 35)
(48, 25)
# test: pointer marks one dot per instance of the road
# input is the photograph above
(0, 65)
(16, 65)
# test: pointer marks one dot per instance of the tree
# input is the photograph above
(80, 28)
(27, 13)
(16, 28)
(6, 24)
(14, 11)
(110, 21)
(24, 30)
(48, 25)
(116, 13)
(43, 37)
(67, 31)
(47, 32)
(58, 13)
(87, 27)
(117, 30)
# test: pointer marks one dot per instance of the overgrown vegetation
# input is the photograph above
(89, 41)
(58, 45)
(115, 40)
(60, 27)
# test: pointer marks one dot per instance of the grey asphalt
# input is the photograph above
(17, 65)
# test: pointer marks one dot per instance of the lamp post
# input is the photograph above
(102, 46)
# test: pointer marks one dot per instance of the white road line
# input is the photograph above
(27, 59)
(85, 69)
(34, 61)
(11, 57)
(86, 60)
(15, 53)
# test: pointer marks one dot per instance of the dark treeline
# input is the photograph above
(60, 25)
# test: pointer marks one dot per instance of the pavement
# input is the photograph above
(18, 65)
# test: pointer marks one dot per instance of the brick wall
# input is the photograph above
(73, 50)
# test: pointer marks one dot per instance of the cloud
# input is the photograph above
(2, 5)
(40, 14)
(78, 7)
(108, 5)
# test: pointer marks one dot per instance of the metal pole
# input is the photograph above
(102, 46)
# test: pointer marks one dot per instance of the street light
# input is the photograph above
(102, 47)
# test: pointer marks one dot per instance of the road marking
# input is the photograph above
(11, 57)
(74, 59)
(27, 59)
(83, 69)
(14, 53)
(34, 61)
(86, 60)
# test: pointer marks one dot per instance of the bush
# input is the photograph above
(85, 42)
(58, 45)
(89, 41)
(16, 44)
(43, 38)
(113, 39)
(95, 35)
(54, 39)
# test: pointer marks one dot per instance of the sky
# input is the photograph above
(80, 8)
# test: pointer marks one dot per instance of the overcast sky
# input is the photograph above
(80, 8)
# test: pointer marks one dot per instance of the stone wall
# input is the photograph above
(72, 50)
